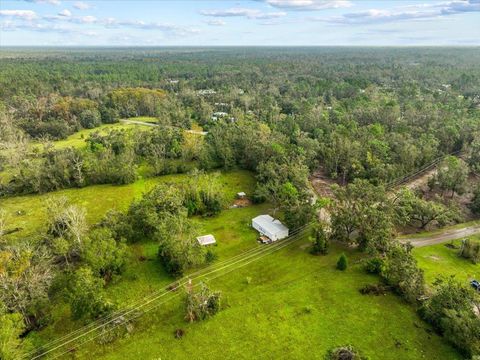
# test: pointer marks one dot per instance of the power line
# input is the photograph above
(155, 293)
(250, 254)
(401, 180)
(176, 295)
(265, 250)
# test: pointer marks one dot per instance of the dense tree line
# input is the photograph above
(111, 158)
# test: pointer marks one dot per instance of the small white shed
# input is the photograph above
(241, 195)
(206, 240)
(270, 227)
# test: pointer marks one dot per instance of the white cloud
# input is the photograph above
(412, 12)
(65, 13)
(88, 19)
(138, 24)
(80, 5)
(89, 33)
(243, 12)
(50, 2)
(309, 4)
(33, 26)
(216, 22)
(21, 14)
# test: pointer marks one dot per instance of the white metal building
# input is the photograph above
(206, 239)
(270, 227)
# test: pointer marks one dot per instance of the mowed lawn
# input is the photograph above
(287, 305)
(440, 260)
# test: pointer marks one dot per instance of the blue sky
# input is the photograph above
(255, 22)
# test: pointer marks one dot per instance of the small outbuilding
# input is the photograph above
(270, 227)
(241, 195)
(206, 240)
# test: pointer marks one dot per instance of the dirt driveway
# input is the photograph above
(442, 237)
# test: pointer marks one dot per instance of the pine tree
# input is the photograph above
(342, 262)
(320, 241)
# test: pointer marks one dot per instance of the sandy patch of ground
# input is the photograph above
(241, 203)
(322, 183)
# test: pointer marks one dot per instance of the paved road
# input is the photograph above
(442, 237)
(155, 125)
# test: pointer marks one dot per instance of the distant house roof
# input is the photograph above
(206, 92)
(270, 224)
(206, 239)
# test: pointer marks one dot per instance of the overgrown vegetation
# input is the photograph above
(202, 303)
(453, 311)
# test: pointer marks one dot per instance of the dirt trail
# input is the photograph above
(421, 180)
(321, 183)
(442, 237)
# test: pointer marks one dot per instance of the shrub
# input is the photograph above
(179, 333)
(374, 265)
(374, 289)
(345, 352)
(87, 298)
(470, 250)
(320, 242)
(342, 262)
(451, 312)
(210, 256)
(201, 304)
(400, 271)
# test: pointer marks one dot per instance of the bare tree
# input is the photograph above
(3, 224)
(25, 277)
(78, 166)
(66, 226)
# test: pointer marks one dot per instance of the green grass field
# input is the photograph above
(147, 119)
(99, 199)
(439, 260)
(296, 306)
(77, 139)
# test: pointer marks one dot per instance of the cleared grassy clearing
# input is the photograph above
(440, 260)
(77, 140)
(147, 119)
(144, 274)
(99, 199)
(296, 306)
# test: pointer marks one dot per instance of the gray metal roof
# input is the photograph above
(270, 224)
